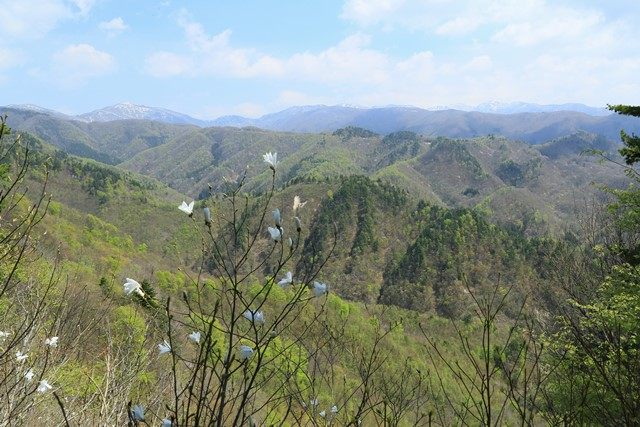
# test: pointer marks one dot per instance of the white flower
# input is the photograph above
(207, 216)
(187, 208)
(286, 280)
(322, 413)
(319, 288)
(51, 342)
(334, 409)
(256, 317)
(44, 386)
(276, 233)
(195, 337)
(297, 204)
(137, 413)
(131, 286)
(4, 335)
(29, 375)
(20, 357)
(245, 352)
(298, 224)
(164, 347)
(166, 422)
(271, 160)
(314, 402)
(290, 242)
(277, 217)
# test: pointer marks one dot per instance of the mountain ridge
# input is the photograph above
(131, 111)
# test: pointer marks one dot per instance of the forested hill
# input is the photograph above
(118, 139)
(511, 180)
(420, 259)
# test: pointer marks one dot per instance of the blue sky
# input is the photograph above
(211, 58)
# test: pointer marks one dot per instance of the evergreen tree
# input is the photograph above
(631, 150)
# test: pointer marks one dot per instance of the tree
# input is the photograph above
(631, 150)
(597, 346)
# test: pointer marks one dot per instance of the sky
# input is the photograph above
(213, 58)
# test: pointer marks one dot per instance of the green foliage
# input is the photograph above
(129, 326)
(357, 197)
(170, 282)
(451, 244)
(103, 181)
(353, 132)
(599, 354)
(517, 174)
(78, 380)
(99, 230)
(631, 150)
(149, 300)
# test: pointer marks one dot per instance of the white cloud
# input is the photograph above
(35, 18)
(168, 64)
(216, 56)
(84, 6)
(76, 64)
(341, 63)
(564, 26)
(572, 54)
(479, 63)
(367, 12)
(9, 58)
(114, 26)
(459, 25)
(349, 60)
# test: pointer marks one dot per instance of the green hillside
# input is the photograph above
(515, 182)
(107, 142)
(450, 266)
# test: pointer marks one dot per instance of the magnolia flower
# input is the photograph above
(334, 409)
(256, 317)
(43, 386)
(51, 342)
(195, 337)
(276, 233)
(137, 413)
(314, 402)
(166, 422)
(290, 242)
(20, 357)
(271, 160)
(319, 288)
(207, 216)
(322, 413)
(29, 375)
(164, 347)
(187, 208)
(298, 224)
(277, 217)
(286, 280)
(245, 352)
(4, 335)
(131, 286)
(297, 204)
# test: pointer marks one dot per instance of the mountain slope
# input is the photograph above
(108, 142)
(129, 111)
(520, 183)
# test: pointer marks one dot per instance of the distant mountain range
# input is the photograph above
(115, 134)
(275, 121)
